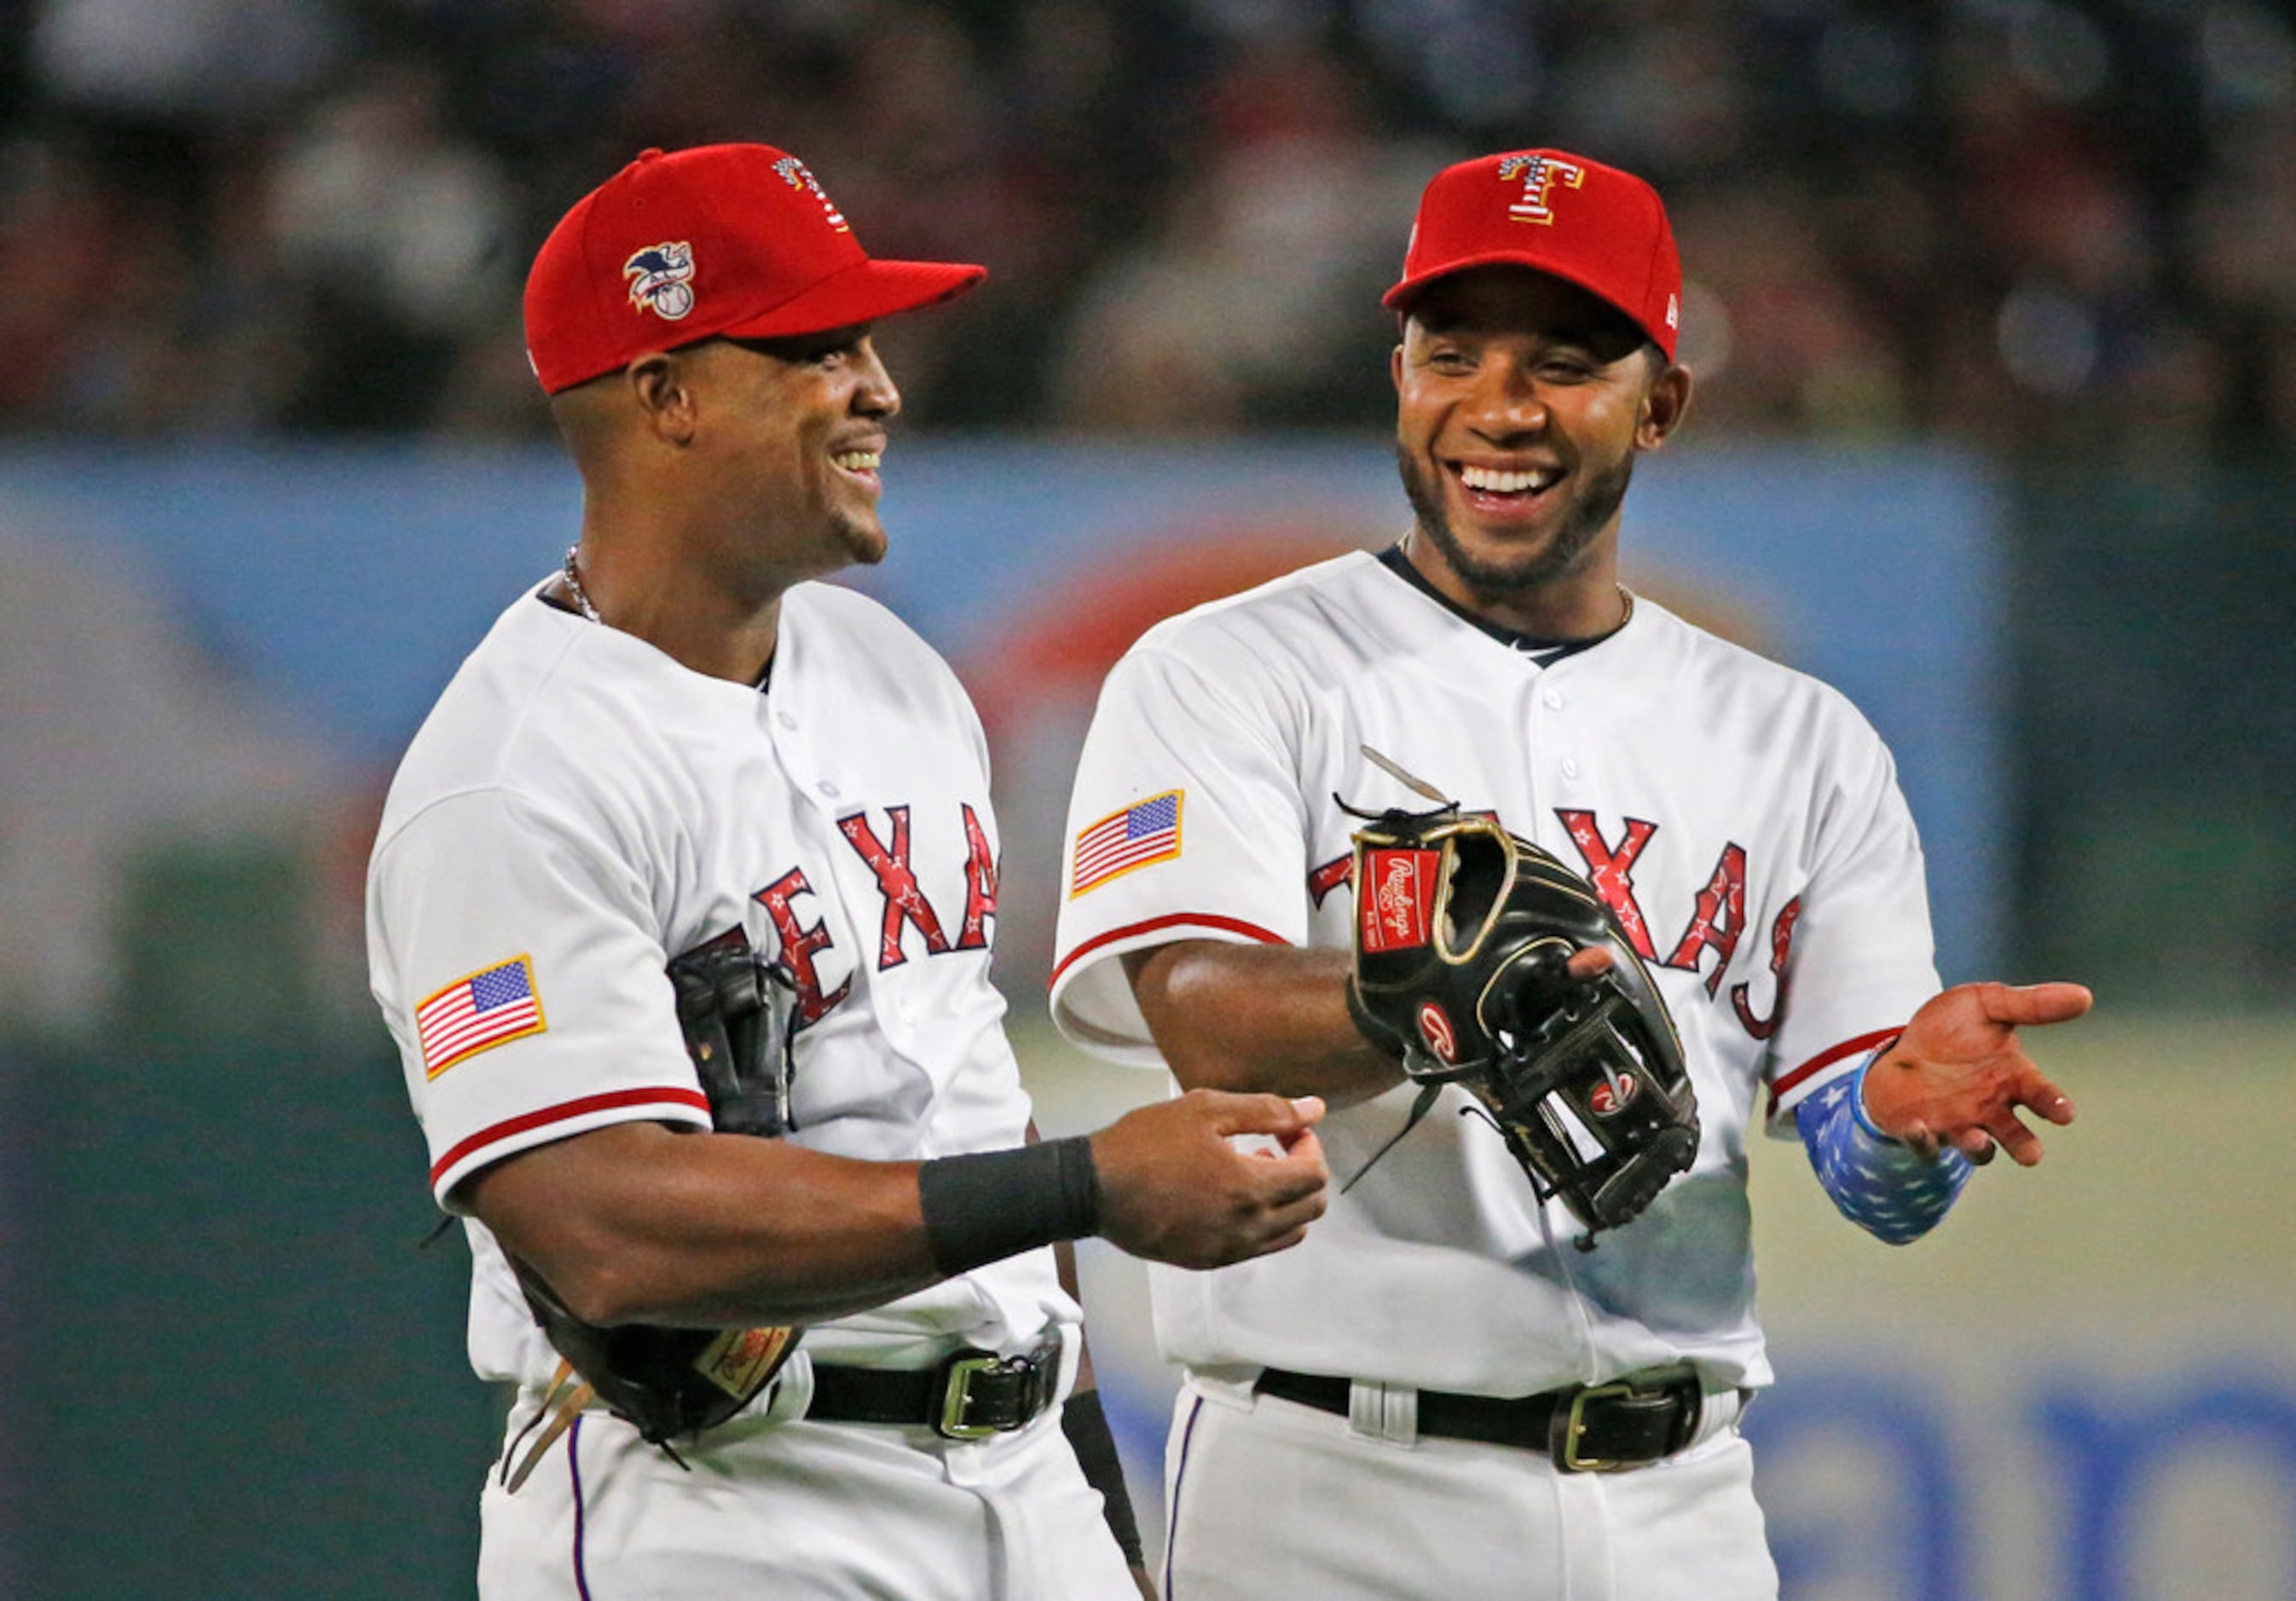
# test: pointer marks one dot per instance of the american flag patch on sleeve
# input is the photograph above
(1139, 834)
(487, 1008)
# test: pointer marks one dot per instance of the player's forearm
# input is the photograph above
(637, 1224)
(1272, 1019)
(634, 1223)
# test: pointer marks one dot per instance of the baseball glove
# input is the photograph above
(736, 1010)
(1463, 934)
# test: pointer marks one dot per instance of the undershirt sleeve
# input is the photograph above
(1881, 1184)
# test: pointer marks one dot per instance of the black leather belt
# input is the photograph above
(1584, 1428)
(970, 1396)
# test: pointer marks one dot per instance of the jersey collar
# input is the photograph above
(1545, 653)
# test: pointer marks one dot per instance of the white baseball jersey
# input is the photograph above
(1742, 820)
(580, 807)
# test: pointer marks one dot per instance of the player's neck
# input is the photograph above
(676, 607)
(1584, 604)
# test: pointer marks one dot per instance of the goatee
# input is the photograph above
(1501, 579)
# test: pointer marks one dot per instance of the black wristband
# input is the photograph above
(990, 1205)
(1085, 1422)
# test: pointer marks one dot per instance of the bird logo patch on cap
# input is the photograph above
(661, 279)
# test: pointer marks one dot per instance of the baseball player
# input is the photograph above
(680, 740)
(1440, 1394)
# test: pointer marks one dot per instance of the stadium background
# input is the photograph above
(1993, 304)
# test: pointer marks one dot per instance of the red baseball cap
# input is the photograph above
(723, 239)
(1590, 224)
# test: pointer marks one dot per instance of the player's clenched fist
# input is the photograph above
(1174, 1190)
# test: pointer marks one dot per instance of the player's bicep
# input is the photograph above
(515, 961)
(1184, 823)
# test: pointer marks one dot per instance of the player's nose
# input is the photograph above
(1507, 401)
(875, 393)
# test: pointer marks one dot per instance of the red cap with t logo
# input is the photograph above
(1590, 224)
(738, 240)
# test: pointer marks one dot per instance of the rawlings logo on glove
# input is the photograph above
(1464, 940)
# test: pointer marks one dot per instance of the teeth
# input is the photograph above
(1504, 483)
(857, 460)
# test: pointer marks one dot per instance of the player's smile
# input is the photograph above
(1504, 491)
(1499, 483)
(861, 465)
(857, 462)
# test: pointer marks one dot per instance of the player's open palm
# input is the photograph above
(1174, 1190)
(1959, 1076)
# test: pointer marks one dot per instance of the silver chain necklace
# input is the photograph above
(574, 587)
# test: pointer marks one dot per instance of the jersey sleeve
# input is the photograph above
(514, 962)
(1185, 824)
(1862, 956)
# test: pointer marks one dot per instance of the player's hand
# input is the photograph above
(1173, 1189)
(1957, 1076)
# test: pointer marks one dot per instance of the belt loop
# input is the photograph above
(1389, 1412)
(1720, 1413)
(790, 1394)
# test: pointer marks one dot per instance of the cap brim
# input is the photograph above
(1400, 297)
(862, 293)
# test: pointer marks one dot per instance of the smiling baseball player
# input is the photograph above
(1444, 1392)
(681, 912)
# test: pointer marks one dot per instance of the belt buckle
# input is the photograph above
(1564, 1433)
(957, 1374)
(1034, 1371)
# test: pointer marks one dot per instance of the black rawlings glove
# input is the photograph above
(735, 1011)
(1463, 934)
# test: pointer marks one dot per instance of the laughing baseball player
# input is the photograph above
(681, 912)
(1549, 894)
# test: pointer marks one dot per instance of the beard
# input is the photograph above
(1499, 579)
(864, 540)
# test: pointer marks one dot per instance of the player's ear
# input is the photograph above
(661, 383)
(1663, 403)
(1395, 366)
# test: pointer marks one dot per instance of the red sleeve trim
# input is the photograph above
(1785, 1082)
(1234, 926)
(565, 1112)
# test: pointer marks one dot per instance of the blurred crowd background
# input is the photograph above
(2027, 223)
(1992, 305)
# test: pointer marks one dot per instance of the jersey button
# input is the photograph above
(786, 720)
(1569, 767)
(828, 789)
(1553, 697)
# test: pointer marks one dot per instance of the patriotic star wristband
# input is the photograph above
(1857, 1091)
(1881, 1184)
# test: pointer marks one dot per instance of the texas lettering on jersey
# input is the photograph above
(905, 907)
(1716, 921)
